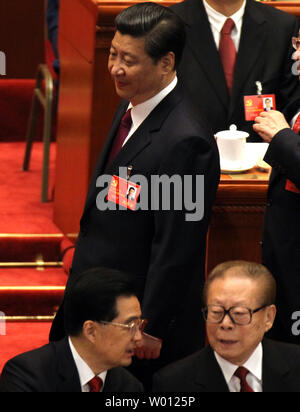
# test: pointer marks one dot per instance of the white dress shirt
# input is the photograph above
(254, 366)
(84, 371)
(217, 21)
(141, 111)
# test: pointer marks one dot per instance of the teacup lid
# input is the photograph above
(232, 133)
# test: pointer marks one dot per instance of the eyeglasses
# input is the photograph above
(239, 315)
(133, 327)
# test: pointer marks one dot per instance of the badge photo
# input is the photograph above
(254, 105)
(123, 192)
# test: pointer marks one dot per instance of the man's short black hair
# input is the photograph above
(163, 30)
(94, 296)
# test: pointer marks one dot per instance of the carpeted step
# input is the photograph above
(21, 337)
(31, 292)
(30, 247)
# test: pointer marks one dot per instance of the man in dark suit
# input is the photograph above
(104, 327)
(257, 29)
(239, 310)
(281, 237)
(166, 141)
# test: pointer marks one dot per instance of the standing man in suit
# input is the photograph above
(165, 141)
(239, 298)
(103, 324)
(222, 64)
(281, 237)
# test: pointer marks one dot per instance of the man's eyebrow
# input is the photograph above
(132, 318)
(126, 54)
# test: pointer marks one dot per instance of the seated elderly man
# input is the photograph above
(239, 298)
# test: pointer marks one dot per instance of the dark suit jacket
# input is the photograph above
(281, 238)
(52, 369)
(202, 373)
(264, 55)
(164, 252)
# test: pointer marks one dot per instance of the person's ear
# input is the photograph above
(168, 63)
(89, 330)
(270, 316)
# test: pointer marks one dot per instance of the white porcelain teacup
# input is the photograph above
(232, 144)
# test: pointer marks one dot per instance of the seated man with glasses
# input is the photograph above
(239, 309)
(104, 328)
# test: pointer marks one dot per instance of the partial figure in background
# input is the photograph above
(281, 237)
(52, 27)
(230, 46)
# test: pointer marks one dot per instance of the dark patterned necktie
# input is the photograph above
(241, 373)
(95, 384)
(227, 53)
(121, 135)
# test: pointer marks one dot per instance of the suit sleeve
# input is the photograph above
(158, 383)
(16, 378)
(284, 155)
(178, 247)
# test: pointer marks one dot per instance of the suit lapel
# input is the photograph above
(66, 368)
(142, 137)
(114, 381)
(105, 153)
(208, 374)
(275, 369)
(250, 49)
(111, 136)
(200, 40)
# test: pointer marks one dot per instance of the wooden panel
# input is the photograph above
(237, 220)
(22, 36)
(73, 151)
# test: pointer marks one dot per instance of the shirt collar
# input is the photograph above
(142, 110)
(217, 19)
(253, 364)
(84, 371)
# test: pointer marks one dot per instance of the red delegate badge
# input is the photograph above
(291, 187)
(123, 192)
(254, 105)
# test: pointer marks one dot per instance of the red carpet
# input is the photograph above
(21, 337)
(15, 103)
(28, 239)
(21, 210)
(31, 292)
